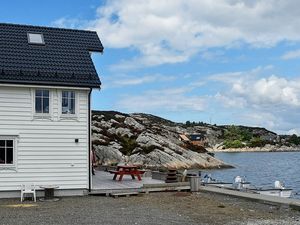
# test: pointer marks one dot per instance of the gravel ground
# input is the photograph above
(157, 208)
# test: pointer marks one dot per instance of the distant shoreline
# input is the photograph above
(267, 148)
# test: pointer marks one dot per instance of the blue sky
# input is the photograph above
(224, 62)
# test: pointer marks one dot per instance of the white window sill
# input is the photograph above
(9, 134)
(68, 117)
(8, 169)
(42, 116)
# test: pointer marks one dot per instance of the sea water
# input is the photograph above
(262, 169)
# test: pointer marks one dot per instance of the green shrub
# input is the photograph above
(236, 133)
(128, 145)
(232, 133)
(233, 144)
(294, 140)
(237, 137)
(257, 142)
(246, 135)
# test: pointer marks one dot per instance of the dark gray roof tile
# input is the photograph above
(64, 59)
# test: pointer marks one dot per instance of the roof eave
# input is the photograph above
(100, 50)
(44, 83)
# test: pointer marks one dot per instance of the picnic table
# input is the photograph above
(131, 170)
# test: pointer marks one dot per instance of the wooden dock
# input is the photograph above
(103, 184)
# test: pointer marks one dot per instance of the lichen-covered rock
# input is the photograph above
(110, 154)
(97, 117)
(124, 132)
(145, 140)
(149, 140)
(154, 142)
(105, 124)
(134, 124)
(111, 131)
(112, 121)
(266, 148)
(96, 129)
(119, 116)
(98, 137)
(169, 159)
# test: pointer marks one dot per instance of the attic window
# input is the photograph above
(35, 38)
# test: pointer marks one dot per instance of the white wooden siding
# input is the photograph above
(46, 149)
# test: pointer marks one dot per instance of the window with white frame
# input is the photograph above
(68, 103)
(42, 101)
(7, 151)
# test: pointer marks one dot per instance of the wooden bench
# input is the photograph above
(131, 172)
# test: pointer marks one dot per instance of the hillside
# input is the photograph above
(146, 140)
(154, 142)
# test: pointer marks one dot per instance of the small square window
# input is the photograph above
(35, 38)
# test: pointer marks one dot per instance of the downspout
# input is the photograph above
(89, 139)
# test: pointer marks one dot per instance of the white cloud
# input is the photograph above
(274, 120)
(270, 101)
(261, 119)
(172, 31)
(261, 91)
(125, 80)
(214, 55)
(74, 23)
(198, 83)
(291, 55)
(294, 131)
(239, 76)
(268, 92)
(229, 102)
(175, 99)
(274, 90)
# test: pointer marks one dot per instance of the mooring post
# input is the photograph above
(194, 183)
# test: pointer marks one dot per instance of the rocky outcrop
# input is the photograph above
(145, 140)
(154, 142)
(266, 148)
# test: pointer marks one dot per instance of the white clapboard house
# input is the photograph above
(46, 79)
